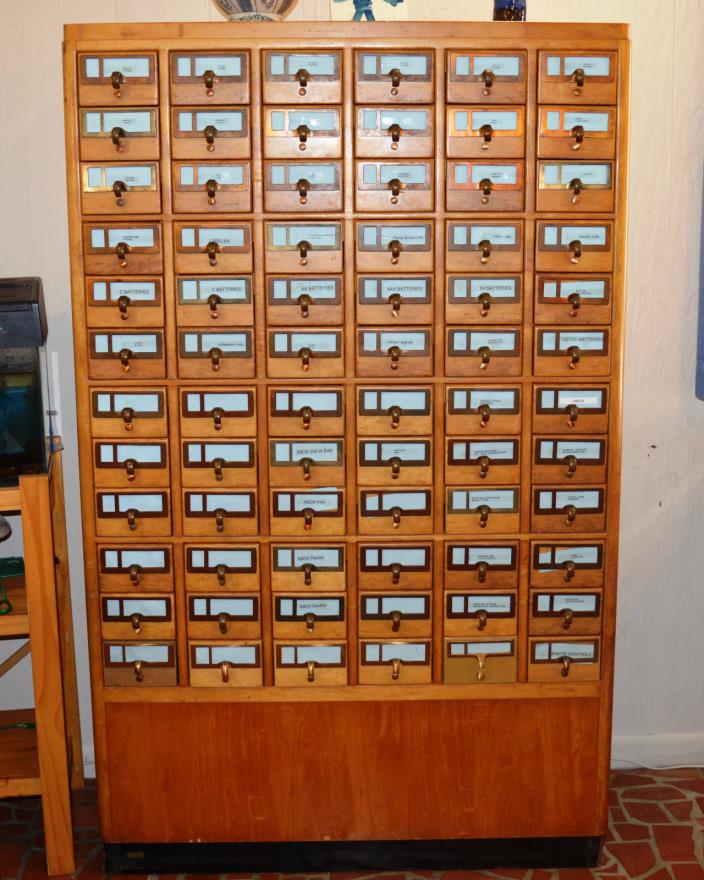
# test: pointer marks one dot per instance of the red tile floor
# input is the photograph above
(656, 833)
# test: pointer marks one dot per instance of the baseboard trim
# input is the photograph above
(659, 750)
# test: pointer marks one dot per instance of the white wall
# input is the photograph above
(659, 711)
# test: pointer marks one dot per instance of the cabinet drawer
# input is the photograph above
(395, 662)
(489, 352)
(403, 352)
(308, 76)
(227, 513)
(569, 509)
(477, 77)
(221, 567)
(482, 510)
(307, 512)
(130, 355)
(560, 614)
(477, 246)
(479, 661)
(223, 617)
(210, 133)
(583, 300)
(314, 568)
(209, 77)
(121, 248)
(570, 78)
(231, 664)
(392, 77)
(203, 354)
(481, 566)
(304, 247)
(139, 664)
(395, 615)
(486, 132)
(113, 302)
(218, 464)
(396, 566)
(133, 514)
(305, 354)
(135, 568)
(564, 660)
(568, 352)
(117, 79)
(302, 133)
(211, 187)
(481, 185)
(388, 411)
(395, 512)
(137, 617)
(482, 299)
(308, 665)
(380, 298)
(398, 132)
(303, 413)
(304, 300)
(139, 413)
(308, 187)
(309, 617)
(394, 186)
(567, 566)
(395, 462)
(315, 462)
(480, 614)
(114, 133)
(394, 247)
(574, 247)
(581, 409)
(210, 413)
(471, 461)
(495, 410)
(120, 188)
(132, 465)
(566, 459)
(576, 132)
(226, 300)
(575, 186)
(213, 249)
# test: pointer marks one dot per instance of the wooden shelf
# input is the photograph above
(16, 623)
(19, 758)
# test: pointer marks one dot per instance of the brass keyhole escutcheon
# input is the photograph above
(132, 519)
(223, 619)
(485, 247)
(482, 619)
(308, 574)
(488, 80)
(213, 303)
(303, 133)
(395, 134)
(310, 666)
(481, 664)
(303, 187)
(303, 248)
(121, 251)
(485, 302)
(210, 133)
(485, 354)
(134, 574)
(483, 570)
(576, 188)
(396, 517)
(127, 416)
(117, 80)
(487, 187)
(576, 251)
(484, 415)
(209, 82)
(116, 136)
(221, 573)
(306, 414)
(215, 355)
(212, 249)
(211, 188)
(218, 465)
(577, 133)
(310, 623)
(138, 670)
(119, 188)
(308, 519)
(484, 463)
(395, 621)
(567, 618)
(395, 247)
(395, 300)
(572, 414)
(395, 186)
(306, 355)
(395, 463)
(123, 304)
(395, 413)
(395, 669)
(303, 78)
(570, 570)
(396, 77)
(566, 662)
(131, 468)
(306, 467)
(575, 301)
(218, 414)
(219, 520)
(570, 514)
(571, 461)
(394, 356)
(125, 355)
(575, 356)
(483, 510)
(136, 621)
(578, 78)
(225, 667)
(304, 301)
(487, 133)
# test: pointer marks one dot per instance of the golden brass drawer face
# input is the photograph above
(484, 299)
(128, 617)
(210, 133)
(224, 300)
(211, 188)
(120, 188)
(213, 249)
(116, 133)
(477, 246)
(222, 568)
(131, 514)
(129, 414)
(304, 300)
(206, 413)
(567, 566)
(574, 246)
(139, 664)
(209, 77)
(401, 132)
(313, 462)
(572, 352)
(395, 566)
(218, 464)
(576, 132)
(482, 510)
(308, 512)
(407, 411)
(564, 660)
(564, 613)
(117, 78)
(395, 512)
(302, 133)
(485, 185)
(493, 460)
(403, 352)
(382, 297)
(480, 77)
(302, 412)
(301, 566)
(393, 186)
(395, 461)
(301, 665)
(122, 249)
(481, 566)
(397, 247)
(235, 664)
(126, 355)
(575, 186)
(483, 352)
(112, 301)
(305, 354)
(223, 617)
(135, 568)
(394, 77)
(395, 662)
(570, 508)
(494, 410)
(130, 465)
(568, 78)
(569, 459)
(560, 298)
(220, 513)
(486, 132)
(395, 615)
(479, 661)
(302, 77)
(484, 614)
(202, 353)
(304, 247)
(303, 186)
(309, 617)
(582, 409)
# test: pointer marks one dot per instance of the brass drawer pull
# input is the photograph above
(395, 135)
(303, 248)
(303, 78)
(223, 619)
(304, 301)
(306, 356)
(218, 465)
(308, 515)
(394, 356)
(566, 662)
(396, 77)
(576, 249)
(125, 355)
(119, 188)
(215, 355)
(575, 301)
(576, 188)
(575, 356)
(567, 618)
(395, 573)
(211, 188)
(395, 186)
(310, 666)
(219, 520)
(487, 132)
(483, 510)
(395, 413)
(209, 82)
(578, 78)
(138, 670)
(117, 80)
(572, 415)
(481, 670)
(578, 134)
(482, 569)
(484, 464)
(485, 247)
(395, 621)
(212, 249)
(395, 463)
(221, 572)
(482, 619)
(395, 300)
(485, 414)
(136, 621)
(485, 302)
(310, 623)
(210, 132)
(123, 304)
(134, 571)
(570, 570)
(131, 468)
(395, 247)
(116, 136)
(225, 667)
(487, 188)
(218, 414)
(571, 461)
(303, 133)
(121, 251)
(488, 80)
(303, 187)
(306, 467)
(395, 669)
(127, 416)
(485, 354)
(308, 573)
(306, 414)
(396, 517)
(213, 303)
(570, 514)
(132, 519)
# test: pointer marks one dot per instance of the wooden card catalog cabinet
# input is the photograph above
(348, 322)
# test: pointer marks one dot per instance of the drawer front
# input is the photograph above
(479, 77)
(305, 354)
(563, 613)
(135, 568)
(569, 78)
(117, 134)
(308, 187)
(304, 413)
(220, 414)
(309, 617)
(564, 659)
(117, 79)
(213, 249)
(380, 298)
(225, 300)
(209, 77)
(485, 185)
(395, 662)
(574, 247)
(389, 411)
(304, 300)
(477, 246)
(494, 410)
(569, 509)
(482, 511)
(486, 132)
(210, 133)
(122, 249)
(223, 617)
(394, 77)
(225, 664)
(304, 247)
(577, 132)
(583, 300)
(403, 352)
(302, 133)
(130, 465)
(120, 188)
(315, 568)
(137, 617)
(482, 352)
(569, 459)
(395, 462)
(129, 414)
(395, 512)
(221, 568)
(483, 299)
(394, 247)
(475, 461)
(575, 186)
(567, 566)
(139, 664)
(217, 464)
(313, 462)
(220, 354)
(480, 614)
(133, 514)
(479, 661)
(309, 76)
(395, 615)
(582, 409)
(568, 352)
(220, 513)
(114, 302)
(211, 187)
(306, 513)
(397, 566)
(308, 665)
(394, 186)
(398, 132)
(130, 355)
(485, 566)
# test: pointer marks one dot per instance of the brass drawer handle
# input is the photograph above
(567, 618)
(218, 414)
(132, 519)
(484, 464)
(117, 80)
(578, 78)
(306, 467)
(211, 188)
(484, 414)
(119, 188)
(575, 356)
(213, 303)
(219, 520)
(487, 187)
(482, 570)
(308, 569)
(395, 247)
(571, 461)
(209, 82)
(576, 250)
(303, 187)
(575, 301)
(572, 414)
(218, 465)
(223, 619)
(576, 188)
(212, 249)
(482, 619)
(308, 514)
(481, 667)
(395, 621)
(488, 80)
(210, 132)
(304, 301)
(310, 623)
(394, 356)
(485, 247)
(570, 514)
(215, 355)
(485, 302)
(116, 136)
(131, 468)
(395, 669)
(395, 185)
(395, 463)
(310, 666)
(396, 77)
(303, 249)
(395, 573)
(306, 414)
(487, 132)
(395, 413)
(485, 354)
(566, 662)
(136, 621)
(396, 517)
(577, 133)
(483, 510)
(306, 356)
(394, 132)
(127, 416)
(570, 570)
(123, 304)
(395, 301)
(121, 251)
(125, 355)
(303, 133)
(138, 670)
(303, 78)
(134, 571)
(225, 667)
(221, 572)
